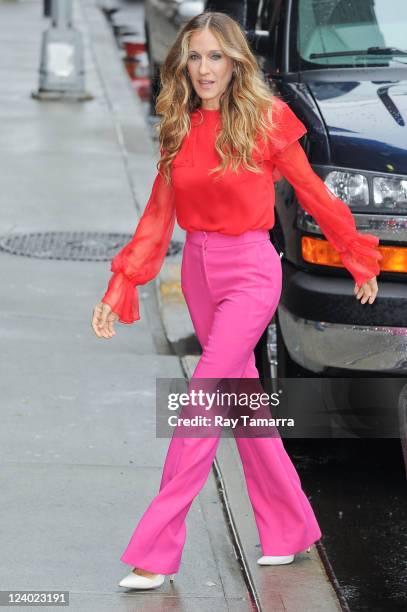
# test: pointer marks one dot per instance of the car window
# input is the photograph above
(341, 33)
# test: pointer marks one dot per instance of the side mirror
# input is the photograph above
(235, 9)
(260, 42)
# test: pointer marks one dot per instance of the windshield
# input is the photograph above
(348, 33)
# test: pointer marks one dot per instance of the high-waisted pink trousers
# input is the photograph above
(232, 286)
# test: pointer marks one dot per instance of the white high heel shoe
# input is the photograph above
(277, 559)
(134, 581)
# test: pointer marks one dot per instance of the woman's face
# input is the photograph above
(206, 62)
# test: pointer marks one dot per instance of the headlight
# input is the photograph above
(390, 193)
(366, 191)
(350, 187)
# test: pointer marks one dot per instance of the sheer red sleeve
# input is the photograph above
(141, 259)
(356, 250)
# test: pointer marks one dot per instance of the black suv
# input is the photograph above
(342, 67)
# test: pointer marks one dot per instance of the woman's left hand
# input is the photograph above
(367, 291)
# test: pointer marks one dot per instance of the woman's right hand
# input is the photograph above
(103, 319)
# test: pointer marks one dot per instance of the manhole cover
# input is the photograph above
(80, 246)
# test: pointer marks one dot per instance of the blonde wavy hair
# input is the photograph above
(245, 105)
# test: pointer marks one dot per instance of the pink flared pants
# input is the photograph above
(232, 286)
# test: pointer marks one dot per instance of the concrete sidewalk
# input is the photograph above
(78, 449)
(80, 460)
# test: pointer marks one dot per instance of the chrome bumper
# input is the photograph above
(316, 345)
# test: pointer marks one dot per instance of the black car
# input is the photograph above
(341, 65)
(162, 21)
(342, 68)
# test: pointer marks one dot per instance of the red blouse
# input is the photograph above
(233, 204)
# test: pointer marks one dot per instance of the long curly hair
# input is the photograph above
(245, 105)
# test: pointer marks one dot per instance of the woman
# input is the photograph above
(224, 140)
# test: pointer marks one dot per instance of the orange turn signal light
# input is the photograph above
(321, 252)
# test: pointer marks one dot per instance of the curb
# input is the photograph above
(174, 313)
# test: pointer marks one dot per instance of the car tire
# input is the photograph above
(155, 86)
(154, 72)
(286, 366)
(262, 362)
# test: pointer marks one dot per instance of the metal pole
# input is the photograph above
(61, 13)
(62, 69)
(47, 8)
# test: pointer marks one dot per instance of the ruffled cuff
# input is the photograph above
(122, 297)
(361, 257)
